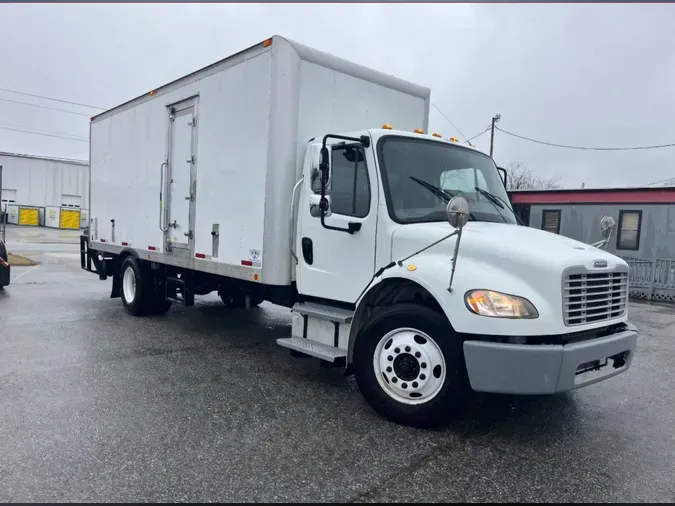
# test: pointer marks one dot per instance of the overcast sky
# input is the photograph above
(594, 75)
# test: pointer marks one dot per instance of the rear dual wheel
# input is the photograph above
(140, 291)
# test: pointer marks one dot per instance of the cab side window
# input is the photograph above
(349, 186)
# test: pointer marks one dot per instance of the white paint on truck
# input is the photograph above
(276, 175)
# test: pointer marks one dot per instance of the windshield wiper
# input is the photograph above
(496, 201)
(439, 192)
(444, 195)
(493, 200)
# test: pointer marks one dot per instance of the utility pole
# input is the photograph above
(496, 118)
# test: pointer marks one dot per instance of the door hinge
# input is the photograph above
(188, 234)
(193, 122)
(172, 114)
(192, 159)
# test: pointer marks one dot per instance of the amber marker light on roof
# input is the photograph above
(419, 131)
(386, 127)
(454, 139)
(436, 135)
(267, 43)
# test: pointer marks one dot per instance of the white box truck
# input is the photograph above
(276, 175)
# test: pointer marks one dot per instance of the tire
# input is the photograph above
(237, 299)
(429, 399)
(135, 289)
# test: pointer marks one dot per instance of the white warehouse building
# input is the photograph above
(46, 191)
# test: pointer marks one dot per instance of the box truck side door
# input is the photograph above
(181, 178)
(333, 264)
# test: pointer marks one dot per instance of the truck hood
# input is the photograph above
(502, 244)
(511, 259)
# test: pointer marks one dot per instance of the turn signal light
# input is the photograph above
(419, 131)
(386, 126)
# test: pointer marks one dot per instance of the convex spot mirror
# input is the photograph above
(457, 212)
(607, 224)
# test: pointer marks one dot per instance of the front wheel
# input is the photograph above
(409, 365)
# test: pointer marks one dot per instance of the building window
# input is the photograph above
(550, 220)
(349, 185)
(630, 223)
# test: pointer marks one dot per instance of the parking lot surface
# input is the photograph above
(202, 405)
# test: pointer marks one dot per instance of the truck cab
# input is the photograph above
(408, 245)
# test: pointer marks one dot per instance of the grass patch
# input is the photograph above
(19, 261)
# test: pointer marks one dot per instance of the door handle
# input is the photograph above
(162, 212)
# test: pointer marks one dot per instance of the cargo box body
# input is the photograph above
(207, 163)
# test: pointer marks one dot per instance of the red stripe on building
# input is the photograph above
(614, 196)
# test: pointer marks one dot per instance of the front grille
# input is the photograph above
(590, 297)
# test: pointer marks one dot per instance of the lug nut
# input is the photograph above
(404, 386)
(388, 369)
(407, 349)
(423, 377)
(424, 365)
(414, 384)
(390, 358)
(418, 354)
(397, 350)
(394, 379)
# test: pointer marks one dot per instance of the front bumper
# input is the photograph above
(547, 369)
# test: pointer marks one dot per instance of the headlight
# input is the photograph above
(499, 305)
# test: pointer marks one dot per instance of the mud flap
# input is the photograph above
(115, 291)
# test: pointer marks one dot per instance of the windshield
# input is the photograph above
(410, 167)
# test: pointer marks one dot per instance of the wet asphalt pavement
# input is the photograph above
(202, 405)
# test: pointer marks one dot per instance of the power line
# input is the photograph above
(587, 148)
(478, 135)
(39, 130)
(44, 134)
(44, 107)
(53, 99)
(449, 121)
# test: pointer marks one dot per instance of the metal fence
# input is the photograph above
(652, 279)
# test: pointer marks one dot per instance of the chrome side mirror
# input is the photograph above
(315, 206)
(457, 212)
(607, 224)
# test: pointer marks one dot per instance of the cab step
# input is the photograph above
(322, 312)
(312, 348)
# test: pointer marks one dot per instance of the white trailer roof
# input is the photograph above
(305, 53)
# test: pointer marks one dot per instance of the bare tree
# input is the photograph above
(521, 178)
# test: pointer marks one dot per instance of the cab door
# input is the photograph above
(334, 263)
